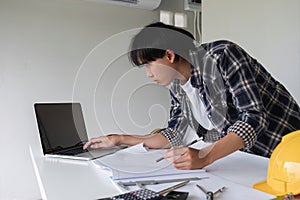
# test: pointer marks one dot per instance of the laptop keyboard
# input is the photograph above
(75, 151)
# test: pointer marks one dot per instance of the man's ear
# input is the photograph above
(170, 55)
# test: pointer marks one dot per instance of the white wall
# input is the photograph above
(268, 29)
(177, 6)
(65, 50)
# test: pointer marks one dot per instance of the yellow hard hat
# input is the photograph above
(284, 167)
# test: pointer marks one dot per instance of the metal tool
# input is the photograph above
(146, 194)
(142, 184)
(173, 188)
(288, 196)
(209, 194)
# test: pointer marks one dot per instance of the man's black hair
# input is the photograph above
(153, 40)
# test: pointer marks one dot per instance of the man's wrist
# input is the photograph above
(206, 154)
(116, 139)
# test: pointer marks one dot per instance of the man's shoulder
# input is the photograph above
(217, 44)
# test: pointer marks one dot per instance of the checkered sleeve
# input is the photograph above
(173, 138)
(245, 131)
(177, 123)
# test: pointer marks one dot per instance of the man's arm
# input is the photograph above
(225, 146)
(152, 141)
(247, 100)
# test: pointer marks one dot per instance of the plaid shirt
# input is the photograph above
(240, 96)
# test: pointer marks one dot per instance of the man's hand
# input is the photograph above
(189, 158)
(185, 158)
(103, 142)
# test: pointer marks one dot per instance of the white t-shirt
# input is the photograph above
(197, 105)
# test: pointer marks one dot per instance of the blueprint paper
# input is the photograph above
(137, 161)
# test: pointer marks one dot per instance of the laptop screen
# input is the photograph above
(61, 125)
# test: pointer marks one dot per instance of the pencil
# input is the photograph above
(187, 145)
(173, 188)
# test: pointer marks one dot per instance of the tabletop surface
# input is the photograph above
(68, 179)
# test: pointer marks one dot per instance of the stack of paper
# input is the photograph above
(137, 161)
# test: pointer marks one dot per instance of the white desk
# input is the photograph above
(82, 180)
(74, 180)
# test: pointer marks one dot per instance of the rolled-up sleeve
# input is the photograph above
(177, 123)
(245, 131)
(252, 120)
(173, 137)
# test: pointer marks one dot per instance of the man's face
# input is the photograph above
(161, 71)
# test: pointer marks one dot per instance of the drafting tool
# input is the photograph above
(210, 194)
(142, 183)
(145, 194)
(288, 196)
(173, 188)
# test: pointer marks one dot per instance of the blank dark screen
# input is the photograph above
(61, 125)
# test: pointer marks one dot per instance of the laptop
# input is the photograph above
(63, 133)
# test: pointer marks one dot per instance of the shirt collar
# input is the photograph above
(196, 79)
(196, 58)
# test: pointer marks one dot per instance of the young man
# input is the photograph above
(217, 89)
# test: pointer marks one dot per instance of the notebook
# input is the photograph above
(63, 133)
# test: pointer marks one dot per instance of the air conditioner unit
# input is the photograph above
(143, 4)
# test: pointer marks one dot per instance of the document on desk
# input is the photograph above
(139, 164)
(137, 161)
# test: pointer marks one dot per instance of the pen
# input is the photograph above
(187, 145)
